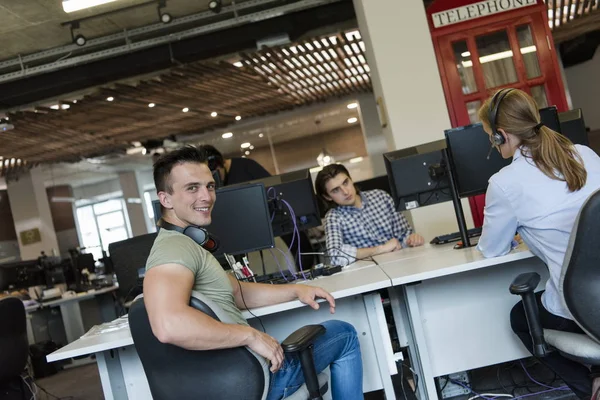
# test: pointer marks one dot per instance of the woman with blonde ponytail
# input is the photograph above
(539, 196)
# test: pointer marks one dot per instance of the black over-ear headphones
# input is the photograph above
(196, 233)
(497, 138)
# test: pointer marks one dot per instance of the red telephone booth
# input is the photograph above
(483, 46)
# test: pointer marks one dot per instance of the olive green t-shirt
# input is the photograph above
(171, 247)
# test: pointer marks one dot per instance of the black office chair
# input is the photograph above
(579, 283)
(14, 347)
(175, 373)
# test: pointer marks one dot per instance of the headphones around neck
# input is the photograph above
(196, 233)
(497, 138)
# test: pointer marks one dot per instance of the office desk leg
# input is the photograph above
(71, 316)
(107, 307)
(382, 342)
(408, 321)
(111, 375)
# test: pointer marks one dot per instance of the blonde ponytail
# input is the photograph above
(552, 153)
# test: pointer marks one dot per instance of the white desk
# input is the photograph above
(71, 312)
(123, 377)
(454, 306)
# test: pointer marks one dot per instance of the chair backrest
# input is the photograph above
(580, 278)
(127, 257)
(14, 347)
(176, 373)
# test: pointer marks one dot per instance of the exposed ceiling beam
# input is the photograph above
(577, 27)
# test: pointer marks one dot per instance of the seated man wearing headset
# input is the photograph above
(178, 264)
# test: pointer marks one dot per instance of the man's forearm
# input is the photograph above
(254, 295)
(367, 252)
(194, 330)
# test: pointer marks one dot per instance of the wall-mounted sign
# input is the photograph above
(477, 10)
(31, 236)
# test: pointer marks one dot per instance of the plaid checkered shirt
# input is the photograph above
(348, 228)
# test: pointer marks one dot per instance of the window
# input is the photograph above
(101, 224)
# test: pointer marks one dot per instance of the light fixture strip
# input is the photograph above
(76, 5)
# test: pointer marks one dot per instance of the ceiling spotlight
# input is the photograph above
(245, 145)
(352, 106)
(237, 118)
(75, 101)
(151, 105)
(110, 98)
(185, 109)
(165, 18)
(247, 153)
(261, 135)
(227, 135)
(238, 64)
(215, 6)
(80, 40)
(213, 114)
(251, 147)
(144, 151)
(352, 120)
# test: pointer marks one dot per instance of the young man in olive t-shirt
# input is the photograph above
(177, 265)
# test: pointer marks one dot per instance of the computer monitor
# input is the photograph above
(128, 258)
(8, 276)
(549, 117)
(468, 148)
(417, 175)
(296, 189)
(241, 220)
(573, 126)
(380, 182)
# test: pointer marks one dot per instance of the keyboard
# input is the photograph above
(455, 236)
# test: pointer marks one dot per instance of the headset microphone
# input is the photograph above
(490, 152)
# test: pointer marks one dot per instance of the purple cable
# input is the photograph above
(543, 391)
(278, 265)
(296, 234)
(288, 261)
(531, 378)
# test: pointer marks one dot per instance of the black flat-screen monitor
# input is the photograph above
(573, 126)
(296, 189)
(241, 219)
(549, 117)
(128, 258)
(157, 209)
(380, 182)
(418, 175)
(468, 147)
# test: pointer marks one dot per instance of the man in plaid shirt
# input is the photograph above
(360, 224)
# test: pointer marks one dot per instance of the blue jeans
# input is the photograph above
(338, 349)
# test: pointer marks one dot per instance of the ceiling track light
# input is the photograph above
(215, 6)
(164, 17)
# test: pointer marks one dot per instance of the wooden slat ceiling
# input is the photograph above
(571, 18)
(269, 81)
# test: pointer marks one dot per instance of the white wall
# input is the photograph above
(584, 86)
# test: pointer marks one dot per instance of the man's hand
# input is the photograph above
(389, 246)
(415, 240)
(267, 347)
(308, 295)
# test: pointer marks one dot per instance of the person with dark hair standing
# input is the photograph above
(233, 170)
(539, 196)
(177, 265)
(360, 224)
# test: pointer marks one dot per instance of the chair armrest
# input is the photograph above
(525, 283)
(302, 338)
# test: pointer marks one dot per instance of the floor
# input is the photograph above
(83, 383)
